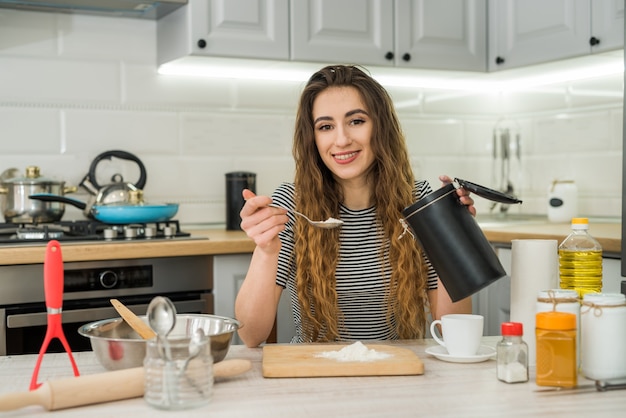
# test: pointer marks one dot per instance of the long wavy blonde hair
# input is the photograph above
(317, 251)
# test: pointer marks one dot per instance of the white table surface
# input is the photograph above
(444, 390)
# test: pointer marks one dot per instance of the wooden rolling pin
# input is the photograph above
(98, 388)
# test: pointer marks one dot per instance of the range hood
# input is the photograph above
(141, 9)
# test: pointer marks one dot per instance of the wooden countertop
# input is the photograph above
(209, 241)
(219, 241)
(444, 390)
(609, 235)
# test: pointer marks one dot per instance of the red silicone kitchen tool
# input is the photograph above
(53, 288)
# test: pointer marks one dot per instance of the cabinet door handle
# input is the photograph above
(406, 57)
(593, 41)
(389, 55)
(201, 43)
(499, 60)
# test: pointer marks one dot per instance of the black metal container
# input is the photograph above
(235, 183)
(454, 243)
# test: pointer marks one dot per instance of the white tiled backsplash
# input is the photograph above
(73, 86)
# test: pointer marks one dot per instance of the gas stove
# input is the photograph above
(88, 230)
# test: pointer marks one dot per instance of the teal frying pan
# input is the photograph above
(118, 213)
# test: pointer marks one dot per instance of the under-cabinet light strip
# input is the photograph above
(501, 81)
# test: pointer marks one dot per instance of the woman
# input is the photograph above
(359, 281)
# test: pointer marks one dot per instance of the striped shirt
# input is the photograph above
(361, 275)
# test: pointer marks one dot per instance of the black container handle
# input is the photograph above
(487, 193)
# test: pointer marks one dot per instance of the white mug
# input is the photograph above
(461, 333)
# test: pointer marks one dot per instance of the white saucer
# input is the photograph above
(484, 353)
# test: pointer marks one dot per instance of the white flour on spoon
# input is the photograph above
(354, 352)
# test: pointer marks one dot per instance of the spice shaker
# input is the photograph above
(512, 354)
(603, 336)
(556, 349)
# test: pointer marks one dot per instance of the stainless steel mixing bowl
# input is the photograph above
(117, 346)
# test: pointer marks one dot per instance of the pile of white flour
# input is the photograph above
(354, 352)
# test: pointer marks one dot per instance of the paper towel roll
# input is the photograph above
(534, 267)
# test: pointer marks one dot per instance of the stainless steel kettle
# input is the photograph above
(118, 191)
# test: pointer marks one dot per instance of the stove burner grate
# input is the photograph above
(87, 231)
(38, 234)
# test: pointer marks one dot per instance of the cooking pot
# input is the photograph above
(453, 241)
(118, 190)
(18, 208)
(136, 211)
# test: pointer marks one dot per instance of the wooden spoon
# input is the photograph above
(133, 320)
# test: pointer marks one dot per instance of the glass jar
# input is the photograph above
(561, 300)
(603, 335)
(556, 349)
(178, 373)
(512, 354)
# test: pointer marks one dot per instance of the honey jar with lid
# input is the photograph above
(562, 300)
(556, 349)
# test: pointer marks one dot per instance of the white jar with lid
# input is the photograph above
(561, 300)
(562, 201)
(603, 336)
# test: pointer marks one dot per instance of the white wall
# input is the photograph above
(73, 86)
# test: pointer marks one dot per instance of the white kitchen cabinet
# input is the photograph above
(434, 34)
(257, 29)
(607, 25)
(229, 272)
(342, 31)
(494, 301)
(611, 275)
(441, 34)
(427, 34)
(525, 32)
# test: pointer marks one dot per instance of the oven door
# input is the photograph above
(25, 327)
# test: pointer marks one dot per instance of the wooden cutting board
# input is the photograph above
(299, 360)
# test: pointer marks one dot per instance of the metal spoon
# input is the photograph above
(198, 338)
(195, 347)
(329, 223)
(162, 319)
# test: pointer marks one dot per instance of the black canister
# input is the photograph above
(235, 183)
(453, 241)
